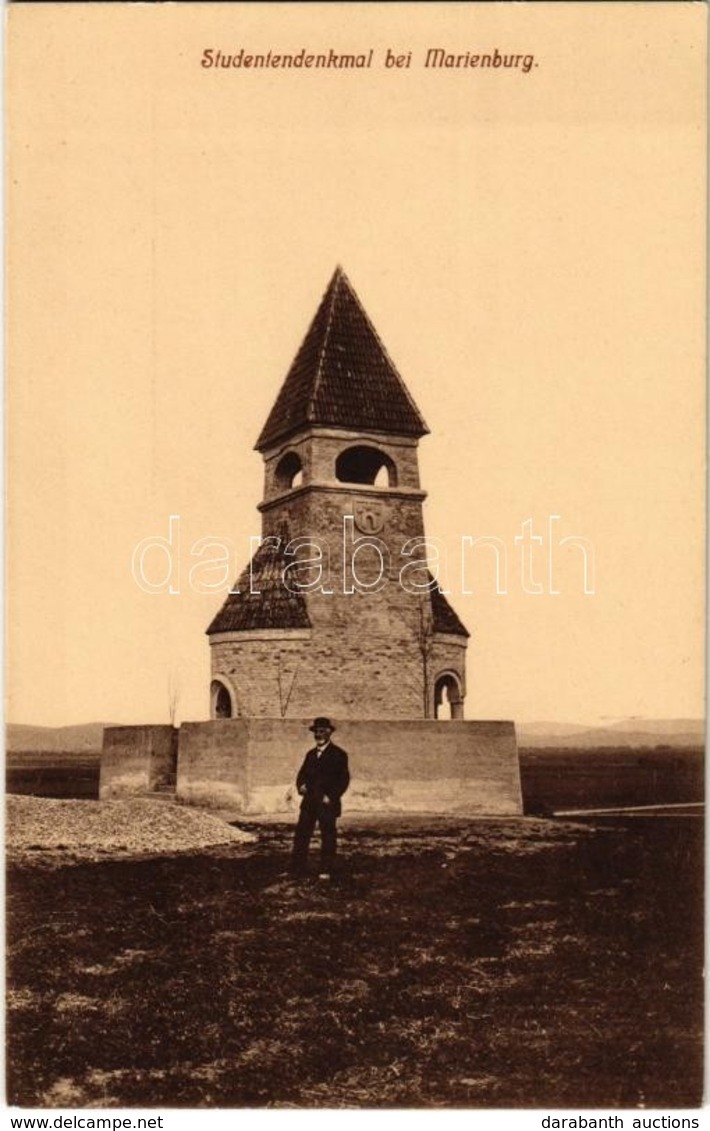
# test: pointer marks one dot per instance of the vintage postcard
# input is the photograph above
(355, 517)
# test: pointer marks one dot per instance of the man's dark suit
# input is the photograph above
(324, 779)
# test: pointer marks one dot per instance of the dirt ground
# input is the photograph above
(497, 963)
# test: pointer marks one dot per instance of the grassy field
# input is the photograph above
(53, 773)
(484, 963)
(569, 778)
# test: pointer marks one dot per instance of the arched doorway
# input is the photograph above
(448, 699)
(221, 702)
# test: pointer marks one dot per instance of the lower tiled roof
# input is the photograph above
(271, 606)
(445, 619)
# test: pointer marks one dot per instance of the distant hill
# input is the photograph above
(85, 737)
(548, 733)
(627, 732)
(88, 737)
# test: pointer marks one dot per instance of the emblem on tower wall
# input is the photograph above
(369, 517)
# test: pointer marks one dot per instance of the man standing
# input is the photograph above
(321, 782)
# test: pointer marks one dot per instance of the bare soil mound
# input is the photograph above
(96, 828)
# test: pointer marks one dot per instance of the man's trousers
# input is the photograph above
(311, 815)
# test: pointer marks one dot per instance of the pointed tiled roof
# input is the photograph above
(272, 605)
(342, 377)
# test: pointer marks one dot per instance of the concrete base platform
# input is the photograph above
(249, 766)
(137, 760)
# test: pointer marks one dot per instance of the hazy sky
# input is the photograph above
(530, 248)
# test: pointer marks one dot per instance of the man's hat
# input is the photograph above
(321, 721)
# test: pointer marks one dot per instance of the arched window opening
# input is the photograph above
(443, 707)
(222, 707)
(362, 464)
(289, 472)
(448, 700)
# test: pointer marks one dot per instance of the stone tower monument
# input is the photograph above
(337, 613)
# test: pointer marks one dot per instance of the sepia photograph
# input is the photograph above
(355, 559)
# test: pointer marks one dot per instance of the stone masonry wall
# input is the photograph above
(364, 657)
(318, 454)
(267, 674)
